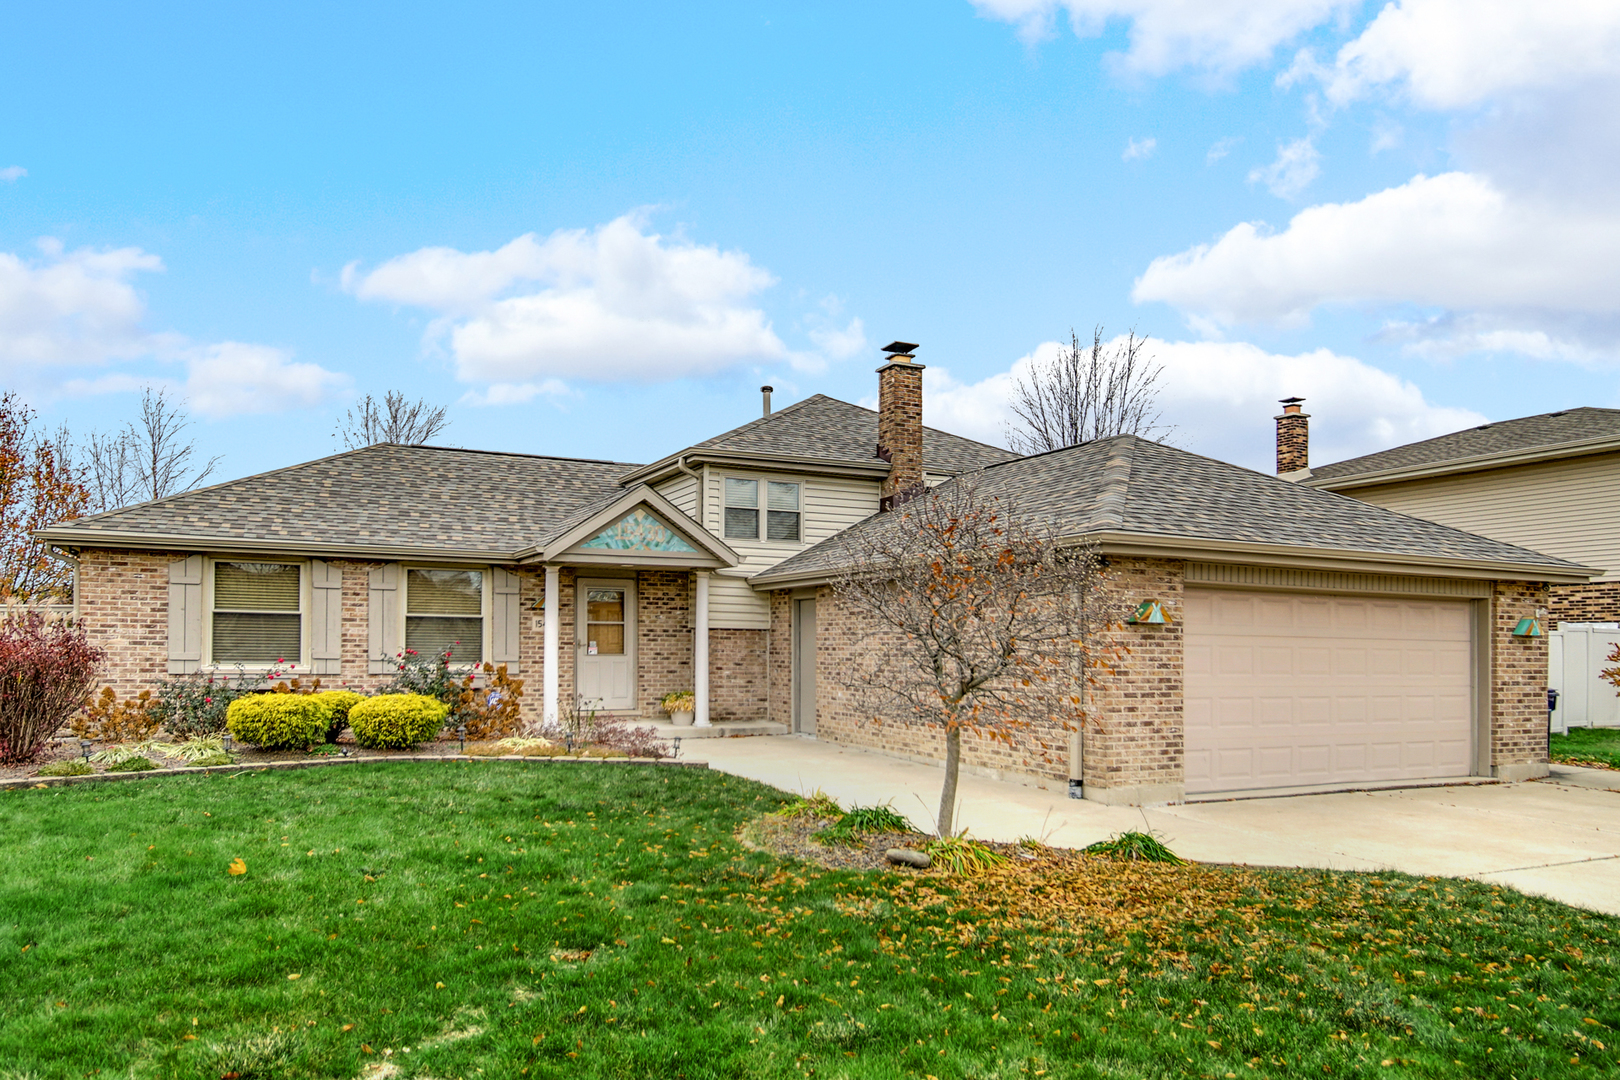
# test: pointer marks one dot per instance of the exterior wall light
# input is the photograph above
(1529, 627)
(1149, 612)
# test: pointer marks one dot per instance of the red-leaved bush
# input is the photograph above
(47, 669)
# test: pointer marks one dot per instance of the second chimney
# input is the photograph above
(900, 427)
(1293, 441)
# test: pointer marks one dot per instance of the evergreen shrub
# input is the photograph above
(279, 721)
(397, 721)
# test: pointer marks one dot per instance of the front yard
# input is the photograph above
(447, 920)
(1588, 746)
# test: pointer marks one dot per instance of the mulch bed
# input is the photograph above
(790, 838)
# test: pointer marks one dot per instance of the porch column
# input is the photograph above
(700, 651)
(550, 659)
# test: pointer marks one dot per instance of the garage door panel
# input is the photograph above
(1292, 690)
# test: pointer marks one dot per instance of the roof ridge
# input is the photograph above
(755, 422)
(1114, 481)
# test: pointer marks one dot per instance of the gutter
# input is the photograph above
(1477, 463)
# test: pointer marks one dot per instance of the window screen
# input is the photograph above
(444, 609)
(781, 511)
(257, 617)
(742, 509)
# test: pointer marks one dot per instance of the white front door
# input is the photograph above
(606, 661)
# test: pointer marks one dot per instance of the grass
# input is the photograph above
(1588, 746)
(589, 921)
(1132, 846)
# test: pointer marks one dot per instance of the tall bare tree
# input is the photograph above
(396, 421)
(976, 620)
(1083, 394)
(149, 459)
(40, 484)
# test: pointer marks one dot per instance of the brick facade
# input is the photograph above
(900, 430)
(1134, 753)
(124, 603)
(1518, 736)
(1595, 601)
(1293, 440)
(779, 661)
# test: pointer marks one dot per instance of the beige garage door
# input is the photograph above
(1286, 690)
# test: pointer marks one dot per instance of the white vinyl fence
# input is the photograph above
(1576, 653)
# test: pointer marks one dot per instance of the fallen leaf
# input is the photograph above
(295, 975)
(347, 1027)
(237, 868)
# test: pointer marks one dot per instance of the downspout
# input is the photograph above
(73, 564)
(680, 463)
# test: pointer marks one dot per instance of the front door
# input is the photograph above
(606, 660)
(804, 667)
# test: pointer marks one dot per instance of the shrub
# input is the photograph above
(73, 767)
(134, 764)
(678, 701)
(212, 760)
(397, 721)
(122, 752)
(492, 712)
(278, 721)
(198, 704)
(339, 702)
(1134, 847)
(192, 750)
(429, 676)
(959, 855)
(112, 721)
(46, 671)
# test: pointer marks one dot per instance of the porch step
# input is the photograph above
(723, 730)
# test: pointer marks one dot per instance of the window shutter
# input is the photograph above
(507, 615)
(383, 641)
(185, 615)
(325, 617)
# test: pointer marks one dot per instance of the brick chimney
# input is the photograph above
(1293, 441)
(900, 427)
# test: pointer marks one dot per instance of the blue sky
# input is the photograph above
(595, 230)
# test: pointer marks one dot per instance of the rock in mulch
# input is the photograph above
(908, 857)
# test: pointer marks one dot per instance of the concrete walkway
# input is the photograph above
(1558, 837)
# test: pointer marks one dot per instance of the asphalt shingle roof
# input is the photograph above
(382, 496)
(1129, 485)
(1508, 436)
(831, 430)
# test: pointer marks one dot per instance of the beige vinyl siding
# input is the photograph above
(827, 505)
(1563, 508)
(682, 491)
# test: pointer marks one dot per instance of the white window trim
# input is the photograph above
(486, 607)
(303, 666)
(764, 480)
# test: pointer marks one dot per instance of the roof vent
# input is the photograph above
(766, 391)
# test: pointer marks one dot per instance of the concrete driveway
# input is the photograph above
(1558, 837)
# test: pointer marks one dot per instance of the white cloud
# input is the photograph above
(1221, 149)
(1222, 36)
(1297, 164)
(1136, 149)
(1220, 397)
(614, 302)
(840, 344)
(1454, 241)
(236, 379)
(518, 393)
(73, 307)
(1452, 54)
(12, 173)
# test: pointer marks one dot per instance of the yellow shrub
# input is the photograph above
(338, 702)
(397, 721)
(278, 721)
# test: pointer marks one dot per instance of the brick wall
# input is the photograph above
(1136, 749)
(1596, 601)
(779, 661)
(1518, 737)
(1293, 440)
(900, 431)
(124, 603)
(737, 675)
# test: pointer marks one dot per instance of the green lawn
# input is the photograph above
(1586, 746)
(437, 918)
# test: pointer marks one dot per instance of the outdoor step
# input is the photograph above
(723, 730)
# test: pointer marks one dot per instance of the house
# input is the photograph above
(1548, 482)
(1313, 640)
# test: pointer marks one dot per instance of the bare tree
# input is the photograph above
(149, 459)
(40, 484)
(397, 421)
(1083, 394)
(975, 620)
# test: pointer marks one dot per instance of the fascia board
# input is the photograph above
(70, 538)
(1477, 463)
(741, 459)
(671, 515)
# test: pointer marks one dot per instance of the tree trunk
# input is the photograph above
(947, 798)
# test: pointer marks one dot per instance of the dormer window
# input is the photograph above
(742, 510)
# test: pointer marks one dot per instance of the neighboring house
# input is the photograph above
(1548, 482)
(1314, 640)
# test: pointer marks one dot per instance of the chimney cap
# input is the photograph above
(901, 347)
(1290, 400)
(767, 389)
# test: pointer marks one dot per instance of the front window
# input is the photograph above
(742, 510)
(604, 622)
(444, 609)
(258, 613)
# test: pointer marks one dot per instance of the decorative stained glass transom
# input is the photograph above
(638, 530)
